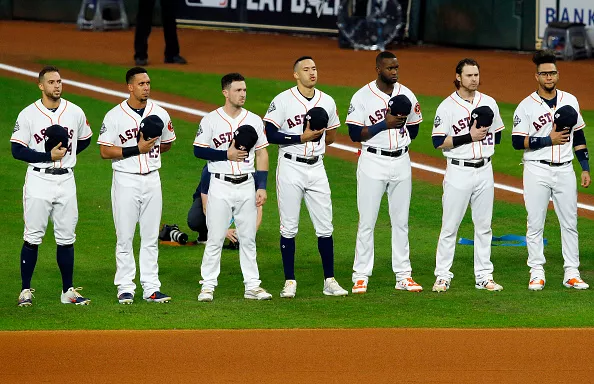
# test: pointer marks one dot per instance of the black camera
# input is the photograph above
(172, 233)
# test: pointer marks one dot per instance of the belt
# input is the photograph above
(52, 171)
(397, 153)
(232, 180)
(551, 164)
(473, 165)
(306, 160)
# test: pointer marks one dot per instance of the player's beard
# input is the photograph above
(388, 80)
(549, 87)
(53, 96)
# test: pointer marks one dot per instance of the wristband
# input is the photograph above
(130, 151)
(461, 140)
(260, 178)
(376, 128)
(582, 156)
(539, 142)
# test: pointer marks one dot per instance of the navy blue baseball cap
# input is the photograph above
(483, 115)
(151, 127)
(317, 117)
(566, 117)
(55, 134)
(400, 105)
(245, 137)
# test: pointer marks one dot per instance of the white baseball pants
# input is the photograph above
(376, 175)
(49, 196)
(463, 185)
(225, 201)
(137, 199)
(541, 182)
(297, 181)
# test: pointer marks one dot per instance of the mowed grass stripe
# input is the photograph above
(463, 306)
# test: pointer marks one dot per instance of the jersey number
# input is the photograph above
(488, 140)
(154, 152)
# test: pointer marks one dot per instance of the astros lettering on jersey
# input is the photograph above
(452, 118)
(287, 112)
(533, 117)
(370, 106)
(217, 131)
(120, 128)
(36, 118)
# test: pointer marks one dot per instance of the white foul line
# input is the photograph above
(198, 112)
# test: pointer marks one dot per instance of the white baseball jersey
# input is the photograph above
(120, 128)
(217, 130)
(287, 112)
(36, 118)
(370, 105)
(452, 118)
(533, 117)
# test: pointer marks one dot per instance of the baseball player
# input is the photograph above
(231, 138)
(197, 213)
(384, 166)
(300, 173)
(468, 143)
(548, 170)
(136, 185)
(50, 189)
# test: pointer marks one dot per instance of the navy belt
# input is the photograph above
(52, 171)
(469, 164)
(306, 160)
(397, 153)
(551, 164)
(233, 180)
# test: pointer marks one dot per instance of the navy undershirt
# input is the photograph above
(552, 103)
(139, 111)
(308, 98)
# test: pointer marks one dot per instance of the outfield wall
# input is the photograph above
(501, 24)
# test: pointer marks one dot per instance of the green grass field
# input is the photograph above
(382, 306)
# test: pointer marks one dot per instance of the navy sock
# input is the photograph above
(28, 261)
(288, 253)
(65, 258)
(326, 248)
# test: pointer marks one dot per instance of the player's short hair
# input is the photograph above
(461, 64)
(230, 78)
(383, 55)
(299, 60)
(545, 56)
(47, 69)
(133, 72)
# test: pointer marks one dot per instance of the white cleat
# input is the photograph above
(576, 283)
(257, 293)
(489, 285)
(71, 296)
(441, 285)
(408, 284)
(289, 290)
(206, 295)
(332, 288)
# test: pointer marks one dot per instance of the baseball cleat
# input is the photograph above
(489, 285)
(360, 287)
(257, 293)
(126, 298)
(441, 285)
(576, 283)
(408, 284)
(289, 290)
(71, 296)
(332, 288)
(26, 297)
(536, 284)
(158, 297)
(206, 294)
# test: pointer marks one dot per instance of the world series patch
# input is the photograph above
(437, 121)
(272, 107)
(16, 127)
(351, 109)
(102, 130)
(517, 120)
